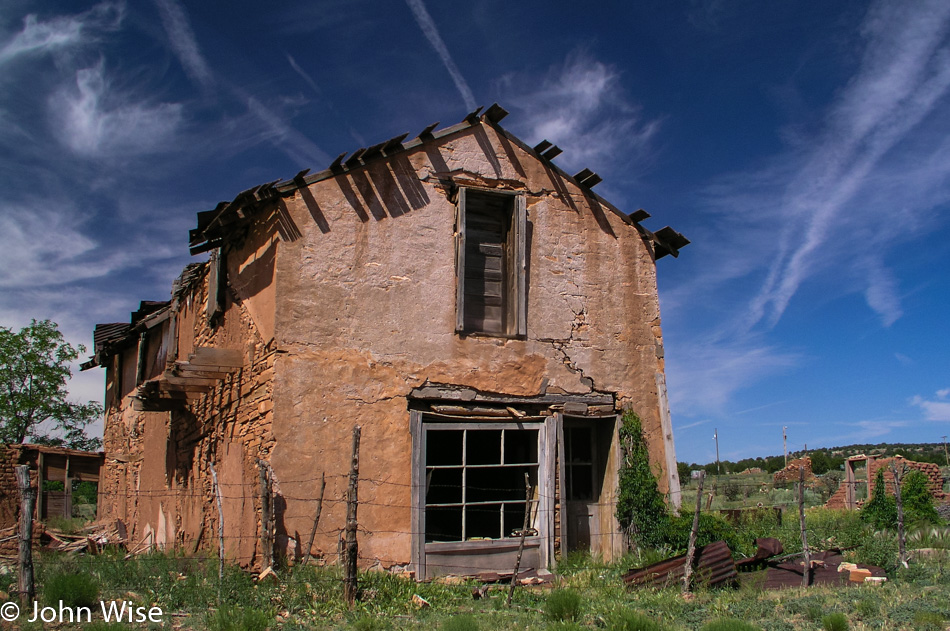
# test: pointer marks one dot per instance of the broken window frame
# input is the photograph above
(470, 465)
(514, 241)
(542, 511)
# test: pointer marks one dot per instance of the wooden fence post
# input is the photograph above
(316, 519)
(217, 494)
(691, 547)
(524, 532)
(901, 540)
(267, 511)
(25, 561)
(806, 574)
(351, 548)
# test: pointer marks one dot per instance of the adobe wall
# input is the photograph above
(366, 298)
(930, 471)
(157, 477)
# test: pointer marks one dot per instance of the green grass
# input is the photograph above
(73, 590)
(836, 621)
(589, 594)
(563, 605)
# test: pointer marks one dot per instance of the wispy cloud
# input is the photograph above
(680, 428)
(93, 119)
(429, 29)
(710, 372)
(298, 147)
(904, 72)
(45, 244)
(60, 33)
(183, 43)
(582, 106)
(303, 75)
(937, 409)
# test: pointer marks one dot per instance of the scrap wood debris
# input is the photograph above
(93, 538)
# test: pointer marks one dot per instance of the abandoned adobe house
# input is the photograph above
(477, 311)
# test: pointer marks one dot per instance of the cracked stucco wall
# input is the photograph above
(366, 312)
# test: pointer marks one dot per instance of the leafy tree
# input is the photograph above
(683, 472)
(34, 368)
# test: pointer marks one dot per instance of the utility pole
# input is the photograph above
(716, 438)
(785, 443)
(945, 455)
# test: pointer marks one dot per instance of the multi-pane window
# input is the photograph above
(490, 263)
(475, 481)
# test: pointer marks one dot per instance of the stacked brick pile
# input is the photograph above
(790, 473)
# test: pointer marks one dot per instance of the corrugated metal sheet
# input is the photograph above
(713, 565)
(823, 572)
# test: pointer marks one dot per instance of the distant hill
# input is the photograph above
(827, 458)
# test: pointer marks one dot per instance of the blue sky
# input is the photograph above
(803, 147)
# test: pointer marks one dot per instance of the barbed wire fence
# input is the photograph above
(232, 546)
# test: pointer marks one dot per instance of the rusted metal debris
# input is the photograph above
(713, 566)
(824, 570)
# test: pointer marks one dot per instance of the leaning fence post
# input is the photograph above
(316, 519)
(691, 547)
(351, 549)
(25, 560)
(267, 538)
(217, 494)
(901, 543)
(524, 532)
(801, 516)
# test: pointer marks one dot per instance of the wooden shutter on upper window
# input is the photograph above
(517, 253)
(216, 282)
(487, 267)
(460, 262)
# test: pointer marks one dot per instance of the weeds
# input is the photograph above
(237, 619)
(836, 621)
(563, 605)
(634, 621)
(73, 590)
(730, 625)
(460, 623)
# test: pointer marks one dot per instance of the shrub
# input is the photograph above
(563, 604)
(460, 623)
(75, 590)
(917, 502)
(881, 511)
(732, 491)
(634, 621)
(880, 550)
(835, 622)
(712, 528)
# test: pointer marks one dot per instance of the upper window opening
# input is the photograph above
(490, 266)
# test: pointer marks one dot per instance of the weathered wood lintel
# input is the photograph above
(456, 393)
